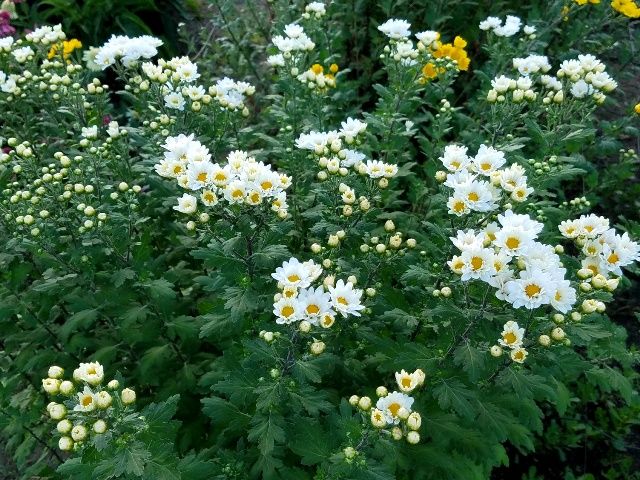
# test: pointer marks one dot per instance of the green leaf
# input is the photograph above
(452, 393)
(267, 430)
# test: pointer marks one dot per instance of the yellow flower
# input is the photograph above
(637, 108)
(454, 51)
(67, 48)
(333, 68)
(317, 68)
(628, 8)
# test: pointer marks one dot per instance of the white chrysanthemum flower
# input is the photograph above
(128, 50)
(314, 304)
(91, 373)
(90, 132)
(454, 158)
(186, 204)
(488, 159)
(395, 29)
(294, 273)
(174, 100)
(346, 299)
(408, 381)
(288, 310)
(512, 335)
(519, 355)
(563, 296)
(490, 23)
(531, 290)
(391, 404)
(477, 264)
(86, 401)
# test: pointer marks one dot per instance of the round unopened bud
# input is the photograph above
(66, 387)
(612, 284)
(333, 241)
(364, 403)
(100, 426)
(576, 316)
(585, 273)
(123, 186)
(544, 340)
(268, 337)
(103, 400)
(441, 176)
(380, 248)
(128, 396)
(557, 334)
(445, 291)
(558, 318)
(51, 385)
(382, 391)
(389, 226)
(113, 385)
(585, 287)
(403, 413)
(65, 444)
(413, 437)
(57, 411)
(370, 292)
(317, 347)
(304, 326)
(341, 234)
(55, 372)
(316, 248)
(64, 426)
(350, 453)
(411, 243)
(354, 399)
(414, 421)
(79, 433)
(496, 351)
(396, 433)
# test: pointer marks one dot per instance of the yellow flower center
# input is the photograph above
(532, 290)
(202, 177)
(342, 301)
(519, 355)
(394, 407)
(458, 206)
(266, 185)
(87, 400)
(312, 309)
(293, 278)
(473, 196)
(613, 258)
(512, 243)
(477, 263)
(406, 382)
(287, 311)
(509, 338)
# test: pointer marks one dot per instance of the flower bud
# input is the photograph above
(364, 403)
(382, 391)
(496, 351)
(557, 334)
(64, 426)
(354, 399)
(396, 433)
(414, 421)
(65, 444)
(51, 385)
(103, 400)
(100, 426)
(413, 437)
(79, 433)
(304, 326)
(113, 385)
(544, 340)
(350, 453)
(54, 371)
(389, 226)
(317, 347)
(128, 396)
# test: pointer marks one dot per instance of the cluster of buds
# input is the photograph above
(504, 88)
(351, 200)
(393, 241)
(86, 406)
(317, 80)
(557, 334)
(392, 414)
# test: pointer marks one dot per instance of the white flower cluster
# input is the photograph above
(294, 41)
(583, 77)
(525, 272)
(243, 181)
(315, 78)
(508, 28)
(587, 77)
(512, 337)
(315, 9)
(328, 149)
(46, 35)
(606, 252)
(86, 402)
(298, 300)
(127, 49)
(5, 44)
(475, 180)
(396, 29)
(394, 409)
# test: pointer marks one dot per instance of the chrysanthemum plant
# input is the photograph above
(263, 279)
